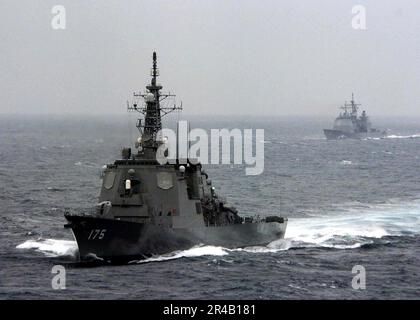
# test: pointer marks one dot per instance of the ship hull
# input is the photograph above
(121, 241)
(331, 134)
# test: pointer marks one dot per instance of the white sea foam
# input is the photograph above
(51, 247)
(85, 164)
(340, 233)
(196, 251)
(355, 227)
(394, 136)
(371, 138)
(413, 136)
(275, 246)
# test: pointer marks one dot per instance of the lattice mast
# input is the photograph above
(353, 105)
(149, 104)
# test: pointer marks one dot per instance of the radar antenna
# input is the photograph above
(354, 106)
(148, 103)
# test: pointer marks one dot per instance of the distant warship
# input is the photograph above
(146, 208)
(349, 125)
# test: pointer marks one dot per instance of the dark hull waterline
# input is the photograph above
(331, 134)
(118, 241)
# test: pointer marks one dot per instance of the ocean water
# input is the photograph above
(348, 203)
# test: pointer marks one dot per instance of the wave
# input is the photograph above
(372, 138)
(51, 247)
(55, 189)
(414, 136)
(356, 227)
(346, 162)
(196, 251)
(314, 138)
(393, 136)
(85, 164)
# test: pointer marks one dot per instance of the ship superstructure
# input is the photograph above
(350, 125)
(147, 208)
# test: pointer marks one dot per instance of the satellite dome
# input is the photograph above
(150, 97)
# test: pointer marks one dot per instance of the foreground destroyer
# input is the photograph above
(147, 208)
(349, 125)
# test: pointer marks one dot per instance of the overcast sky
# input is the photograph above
(219, 56)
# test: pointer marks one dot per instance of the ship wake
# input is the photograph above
(413, 136)
(351, 229)
(196, 251)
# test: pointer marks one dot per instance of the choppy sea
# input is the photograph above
(348, 203)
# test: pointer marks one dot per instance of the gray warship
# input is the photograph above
(146, 208)
(349, 125)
